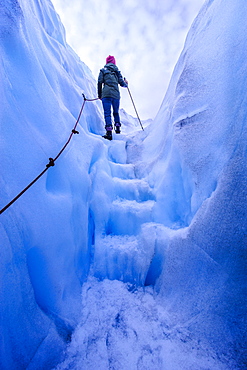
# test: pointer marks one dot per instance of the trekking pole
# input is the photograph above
(134, 107)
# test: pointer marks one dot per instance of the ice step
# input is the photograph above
(117, 152)
(123, 171)
(133, 189)
(126, 258)
(127, 216)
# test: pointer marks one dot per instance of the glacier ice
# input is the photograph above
(130, 252)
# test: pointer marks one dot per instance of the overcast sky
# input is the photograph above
(145, 36)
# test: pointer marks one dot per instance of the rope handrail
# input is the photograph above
(51, 160)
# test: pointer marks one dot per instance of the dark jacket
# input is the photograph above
(110, 76)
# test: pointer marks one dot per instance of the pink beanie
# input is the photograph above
(110, 59)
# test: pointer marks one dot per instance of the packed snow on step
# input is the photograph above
(163, 208)
(122, 328)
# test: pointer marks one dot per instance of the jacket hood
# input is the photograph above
(111, 66)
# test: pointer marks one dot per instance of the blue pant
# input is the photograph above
(107, 104)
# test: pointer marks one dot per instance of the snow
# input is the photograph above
(129, 253)
(122, 328)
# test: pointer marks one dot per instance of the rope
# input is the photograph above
(51, 160)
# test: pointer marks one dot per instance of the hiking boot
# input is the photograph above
(117, 129)
(108, 135)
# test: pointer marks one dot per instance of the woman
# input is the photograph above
(110, 77)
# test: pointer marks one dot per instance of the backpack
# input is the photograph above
(110, 76)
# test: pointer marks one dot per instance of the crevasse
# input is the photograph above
(133, 251)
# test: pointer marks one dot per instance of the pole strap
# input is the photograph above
(135, 108)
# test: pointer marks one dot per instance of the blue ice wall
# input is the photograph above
(44, 236)
(199, 168)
